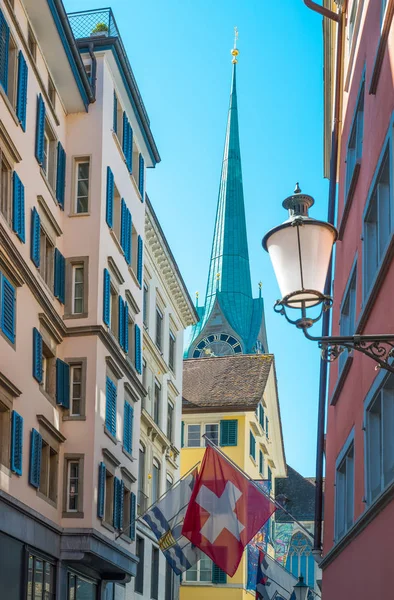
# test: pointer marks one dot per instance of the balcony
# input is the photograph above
(142, 503)
(99, 24)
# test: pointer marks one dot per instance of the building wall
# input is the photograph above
(350, 393)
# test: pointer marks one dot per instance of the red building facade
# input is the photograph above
(359, 487)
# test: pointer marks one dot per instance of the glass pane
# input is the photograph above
(212, 432)
(83, 170)
(388, 437)
(71, 586)
(30, 578)
(374, 448)
(38, 579)
(193, 435)
(86, 590)
(82, 205)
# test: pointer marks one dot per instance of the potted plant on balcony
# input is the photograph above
(101, 29)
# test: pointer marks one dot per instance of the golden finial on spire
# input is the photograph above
(235, 51)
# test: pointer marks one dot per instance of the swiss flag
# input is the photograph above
(225, 511)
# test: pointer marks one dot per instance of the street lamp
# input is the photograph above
(300, 590)
(300, 250)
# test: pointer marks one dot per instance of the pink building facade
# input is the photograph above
(359, 485)
(75, 142)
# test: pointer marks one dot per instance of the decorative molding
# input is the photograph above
(47, 323)
(155, 352)
(9, 386)
(44, 206)
(114, 367)
(381, 49)
(9, 144)
(130, 299)
(171, 385)
(9, 268)
(51, 428)
(114, 269)
(154, 430)
(111, 457)
(126, 473)
(130, 391)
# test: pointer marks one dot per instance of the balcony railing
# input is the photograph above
(142, 503)
(98, 23)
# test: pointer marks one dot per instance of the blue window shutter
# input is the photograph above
(141, 176)
(37, 355)
(62, 383)
(121, 504)
(183, 434)
(140, 259)
(35, 237)
(16, 443)
(128, 427)
(138, 359)
(60, 175)
(115, 116)
(123, 224)
(18, 216)
(8, 300)
(229, 432)
(110, 198)
(132, 515)
(60, 274)
(101, 490)
(21, 101)
(120, 322)
(128, 238)
(40, 128)
(107, 298)
(116, 512)
(130, 149)
(125, 134)
(126, 327)
(218, 576)
(110, 408)
(35, 458)
(4, 42)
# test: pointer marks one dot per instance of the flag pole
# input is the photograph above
(140, 517)
(233, 464)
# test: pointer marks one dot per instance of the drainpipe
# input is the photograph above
(340, 18)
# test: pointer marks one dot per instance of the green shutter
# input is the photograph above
(35, 237)
(107, 298)
(35, 458)
(101, 491)
(266, 426)
(252, 445)
(16, 443)
(261, 463)
(132, 515)
(218, 576)
(18, 216)
(183, 434)
(229, 432)
(37, 355)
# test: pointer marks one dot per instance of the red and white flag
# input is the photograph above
(225, 511)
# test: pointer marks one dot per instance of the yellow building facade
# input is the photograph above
(232, 400)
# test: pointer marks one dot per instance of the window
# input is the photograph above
(117, 213)
(141, 497)
(5, 430)
(51, 91)
(114, 311)
(169, 482)
(159, 328)
(139, 578)
(76, 390)
(12, 71)
(156, 403)
(126, 511)
(201, 571)
(154, 585)
(269, 474)
(48, 369)
(5, 188)
(118, 119)
(31, 42)
(261, 463)
(74, 484)
(145, 304)
(88, 70)
(77, 287)
(344, 493)
(114, 591)
(194, 436)
(300, 559)
(109, 497)
(170, 421)
(212, 433)
(352, 23)
(49, 470)
(169, 583)
(40, 579)
(49, 159)
(155, 480)
(347, 324)
(355, 144)
(252, 445)
(82, 174)
(377, 225)
(80, 588)
(380, 440)
(171, 352)
(47, 253)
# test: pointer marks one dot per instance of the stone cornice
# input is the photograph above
(160, 253)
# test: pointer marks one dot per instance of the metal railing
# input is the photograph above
(98, 23)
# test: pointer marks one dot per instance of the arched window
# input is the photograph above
(300, 559)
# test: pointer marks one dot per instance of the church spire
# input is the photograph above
(229, 255)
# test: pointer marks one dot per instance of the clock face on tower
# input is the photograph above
(217, 344)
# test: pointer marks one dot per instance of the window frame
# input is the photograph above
(6, 208)
(140, 553)
(68, 460)
(347, 324)
(170, 419)
(197, 570)
(75, 267)
(145, 305)
(343, 457)
(31, 42)
(206, 444)
(156, 465)
(171, 350)
(77, 362)
(49, 170)
(159, 331)
(77, 160)
(188, 425)
(356, 130)
(35, 556)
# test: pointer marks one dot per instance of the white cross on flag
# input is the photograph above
(225, 511)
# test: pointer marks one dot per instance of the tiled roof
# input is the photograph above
(297, 494)
(235, 382)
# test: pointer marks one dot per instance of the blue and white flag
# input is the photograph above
(166, 517)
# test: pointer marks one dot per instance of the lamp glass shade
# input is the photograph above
(300, 255)
(300, 590)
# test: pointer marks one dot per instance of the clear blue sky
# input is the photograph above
(180, 53)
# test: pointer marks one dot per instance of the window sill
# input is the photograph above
(72, 214)
(72, 515)
(50, 189)
(74, 418)
(109, 434)
(83, 315)
(341, 380)
(129, 456)
(381, 49)
(43, 497)
(253, 460)
(126, 538)
(108, 526)
(8, 104)
(349, 199)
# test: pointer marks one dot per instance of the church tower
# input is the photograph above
(231, 321)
